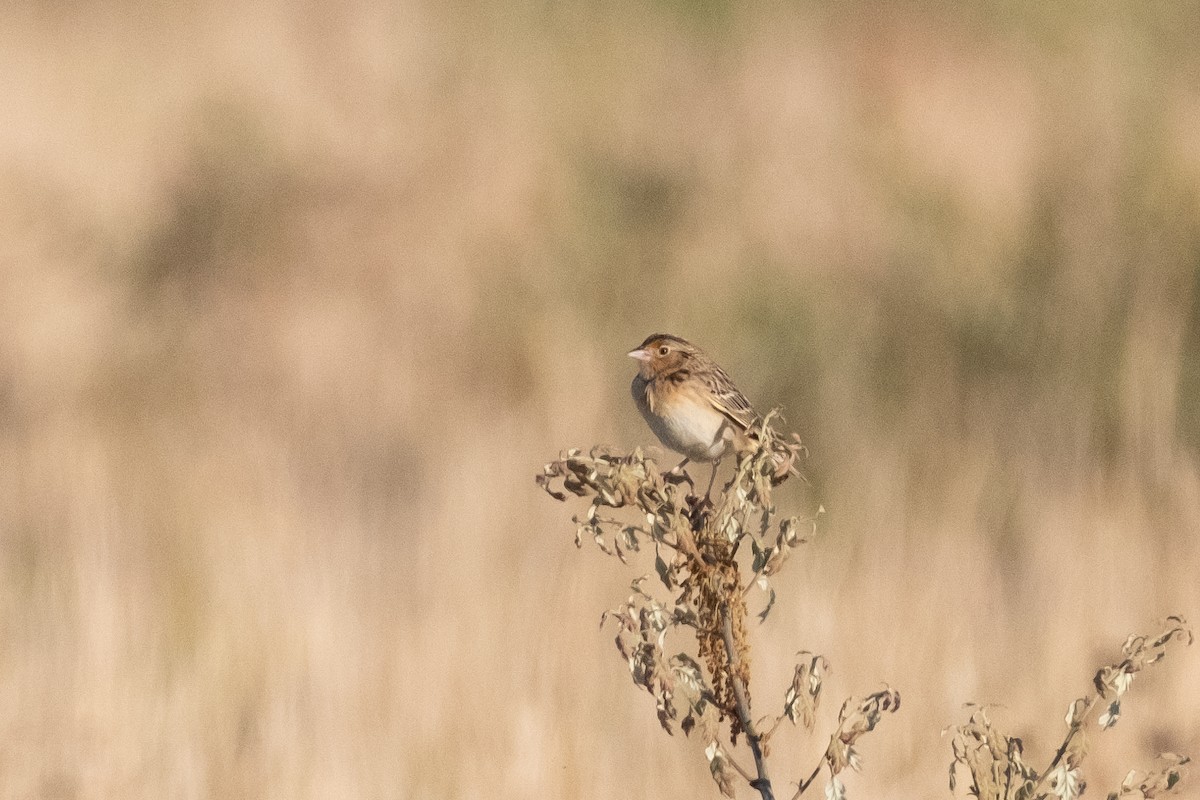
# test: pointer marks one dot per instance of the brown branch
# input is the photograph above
(763, 782)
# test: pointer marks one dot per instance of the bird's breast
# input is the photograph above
(681, 420)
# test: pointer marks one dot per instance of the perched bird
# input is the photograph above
(690, 403)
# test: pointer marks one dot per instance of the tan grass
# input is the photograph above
(293, 302)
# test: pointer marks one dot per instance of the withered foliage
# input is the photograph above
(708, 555)
(995, 761)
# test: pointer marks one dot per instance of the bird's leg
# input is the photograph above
(711, 480)
(677, 475)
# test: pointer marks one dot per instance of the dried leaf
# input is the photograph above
(1065, 783)
(762, 615)
(664, 572)
(1163, 779)
(718, 765)
(857, 718)
(1110, 715)
(804, 695)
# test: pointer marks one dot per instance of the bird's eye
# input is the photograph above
(662, 351)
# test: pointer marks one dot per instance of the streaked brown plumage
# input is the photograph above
(689, 402)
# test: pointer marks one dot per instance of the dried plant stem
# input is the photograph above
(1075, 728)
(805, 784)
(740, 769)
(750, 584)
(696, 542)
(763, 782)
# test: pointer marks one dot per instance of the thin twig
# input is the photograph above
(669, 542)
(742, 770)
(766, 737)
(686, 544)
(1079, 721)
(763, 782)
(751, 584)
(803, 785)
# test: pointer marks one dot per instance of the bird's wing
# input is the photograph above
(726, 398)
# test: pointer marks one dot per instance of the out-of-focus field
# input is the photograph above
(296, 299)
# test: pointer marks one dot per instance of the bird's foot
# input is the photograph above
(677, 476)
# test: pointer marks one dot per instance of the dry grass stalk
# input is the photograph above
(995, 761)
(708, 556)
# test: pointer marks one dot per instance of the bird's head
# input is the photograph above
(662, 354)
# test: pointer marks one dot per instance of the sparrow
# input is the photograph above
(690, 403)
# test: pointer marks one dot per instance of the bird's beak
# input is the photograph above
(640, 355)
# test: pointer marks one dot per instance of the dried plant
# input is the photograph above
(994, 760)
(708, 556)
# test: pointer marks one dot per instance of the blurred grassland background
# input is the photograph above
(298, 297)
